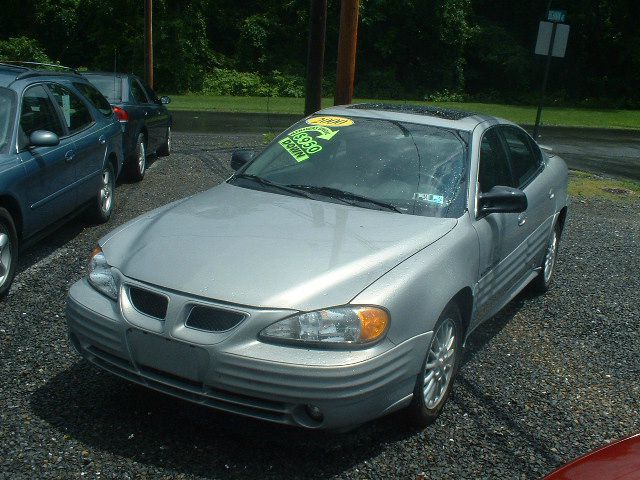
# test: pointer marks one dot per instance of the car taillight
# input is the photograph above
(121, 114)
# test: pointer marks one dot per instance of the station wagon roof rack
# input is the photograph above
(432, 111)
(32, 69)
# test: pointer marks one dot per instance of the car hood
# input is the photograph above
(262, 249)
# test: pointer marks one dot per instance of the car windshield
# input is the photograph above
(370, 163)
(109, 85)
(7, 112)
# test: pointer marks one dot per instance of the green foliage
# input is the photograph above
(232, 82)
(24, 49)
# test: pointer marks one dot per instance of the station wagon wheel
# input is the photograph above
(542, 282)
(439, 368)
(138, 162)
(101, 208)
(8, 251)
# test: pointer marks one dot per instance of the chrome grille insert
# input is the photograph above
(212, 319)
(149, 303)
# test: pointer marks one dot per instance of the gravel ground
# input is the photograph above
(546, 380)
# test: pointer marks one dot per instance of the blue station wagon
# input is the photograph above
(60, 152)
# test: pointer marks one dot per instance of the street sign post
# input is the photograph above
(552, 42)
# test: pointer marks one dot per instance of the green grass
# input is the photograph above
(574, 117)
(587, 185)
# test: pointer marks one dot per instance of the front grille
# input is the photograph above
(213, 319)
(149, 303)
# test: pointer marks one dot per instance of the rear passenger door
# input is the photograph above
(50, 170)
(530, 176)
(88, 137)
(159, 118)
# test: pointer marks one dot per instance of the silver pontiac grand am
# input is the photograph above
(336, 276)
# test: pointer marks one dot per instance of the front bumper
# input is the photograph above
(239, 374)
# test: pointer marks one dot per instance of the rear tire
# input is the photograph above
(439, 369)
(137, 165)
(8, 252)
(102, 206)
(165, 149)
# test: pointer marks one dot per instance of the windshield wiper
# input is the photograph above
(344, 196)
(269, 183)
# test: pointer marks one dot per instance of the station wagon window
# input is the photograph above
(7, 114)
(494, 166)
(523, 163)
(137, 92)
(96, 98)
(75, 113)
(37, 113)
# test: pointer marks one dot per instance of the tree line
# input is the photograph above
(409, 49)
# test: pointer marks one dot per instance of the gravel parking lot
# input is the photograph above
(544, 381)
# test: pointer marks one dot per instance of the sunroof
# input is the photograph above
(432, 111)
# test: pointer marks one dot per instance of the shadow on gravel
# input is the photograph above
(107, 414)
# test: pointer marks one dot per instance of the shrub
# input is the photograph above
(24, 49)
(223, 81)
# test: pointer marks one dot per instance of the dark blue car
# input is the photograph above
(60, 152)
(146, 122)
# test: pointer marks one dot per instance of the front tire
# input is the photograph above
(439, 369)
(8, 252)
(165, 149)
(543, 281)
(102, 205)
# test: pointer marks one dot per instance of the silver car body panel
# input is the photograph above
(267, 256)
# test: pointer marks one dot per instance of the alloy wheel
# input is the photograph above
(5, 257)
(440, 364)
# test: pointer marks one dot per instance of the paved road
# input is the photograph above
(547, 379)
(608, 152)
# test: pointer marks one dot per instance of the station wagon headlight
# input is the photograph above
(358, 325)
(100, 275)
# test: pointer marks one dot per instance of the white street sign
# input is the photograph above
(559, 41)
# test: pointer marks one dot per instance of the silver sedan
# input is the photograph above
(336, 276)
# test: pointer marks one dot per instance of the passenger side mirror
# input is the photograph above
(43, 138)
(502, 199)
(241, 157)
(164, 100)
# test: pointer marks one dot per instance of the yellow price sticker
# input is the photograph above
(327, 121)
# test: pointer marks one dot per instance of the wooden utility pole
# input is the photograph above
(315, 55)
(347, 41)
(148, 42)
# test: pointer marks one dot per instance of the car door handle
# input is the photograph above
(69, 156)
(551, 194)
(522, 219)
(146, 113)
(102, 140)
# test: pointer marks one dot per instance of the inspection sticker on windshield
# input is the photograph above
(328, 121)
(429, 197)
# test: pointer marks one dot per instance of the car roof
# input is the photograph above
(10, 73)
(108, 74)
(420, 114)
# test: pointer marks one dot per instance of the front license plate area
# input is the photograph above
(170, 356)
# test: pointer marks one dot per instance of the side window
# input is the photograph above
(153, 98)
(95, 97)
(37, 113)
(75, 113)
(494, 167)
(137, 92)
(523, 163)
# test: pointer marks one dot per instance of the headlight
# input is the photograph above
(100, 275)
(334, 326)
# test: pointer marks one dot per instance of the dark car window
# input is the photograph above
(137, 92)
(494, 167)
(416, 169)
(109, 85)
(150, 93)
(96, 98)
(37, 113)
(7, 114)
(523, 163)
(75, 113)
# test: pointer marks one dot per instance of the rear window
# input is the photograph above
(109, 85)
(96, 98)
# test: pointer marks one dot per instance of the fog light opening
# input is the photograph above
(314, 412)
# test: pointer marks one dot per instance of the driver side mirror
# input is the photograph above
(43, 138)
(164, 100)
(241, 157)
(502, 199)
